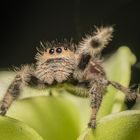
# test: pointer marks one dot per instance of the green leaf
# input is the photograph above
(11, 129)
(54, 118)
(58, 117)
(118, 126)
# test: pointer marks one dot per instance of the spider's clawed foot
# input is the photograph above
(3, 110)
(92, 124)
(134, 93)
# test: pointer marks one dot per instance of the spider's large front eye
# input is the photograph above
(51, 51)
(59, 50)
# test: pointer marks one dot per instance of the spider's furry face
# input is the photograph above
(55, 64)
(57, 55)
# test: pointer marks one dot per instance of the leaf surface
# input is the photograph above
(11, 129)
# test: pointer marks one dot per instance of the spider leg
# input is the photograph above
(131, 93)
(95, 102)
(96, 94)
(22, 77)
(77, 88)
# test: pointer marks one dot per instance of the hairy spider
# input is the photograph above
(78, 65)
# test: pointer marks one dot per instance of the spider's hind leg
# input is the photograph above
(131, 98)
(131, 93)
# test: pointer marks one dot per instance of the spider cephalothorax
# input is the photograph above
(56, 63)
(75, 64)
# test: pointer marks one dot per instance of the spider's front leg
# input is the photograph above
(90, 67)
(22, 77)
(96, 92)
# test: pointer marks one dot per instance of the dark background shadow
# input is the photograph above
(25, 23)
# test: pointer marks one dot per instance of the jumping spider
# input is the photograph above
(78, 65)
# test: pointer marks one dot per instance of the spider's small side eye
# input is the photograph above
(59, 50)
(51, 51)
(65, 48)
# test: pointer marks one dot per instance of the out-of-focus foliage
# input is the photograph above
(119, 126)
(64, 116)
(11, 129)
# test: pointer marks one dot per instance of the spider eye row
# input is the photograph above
(58, 50)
